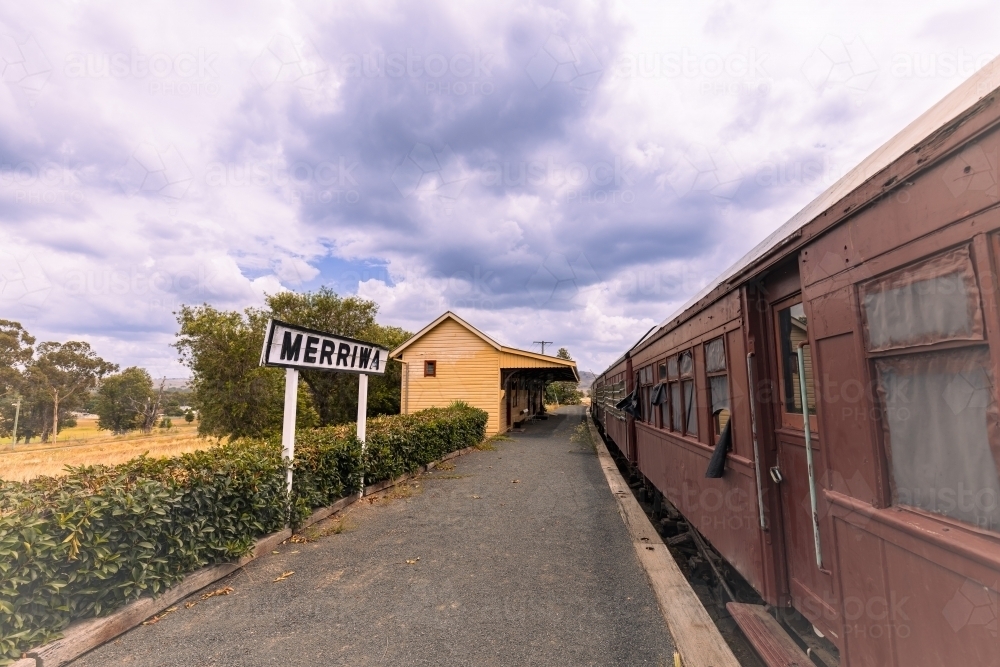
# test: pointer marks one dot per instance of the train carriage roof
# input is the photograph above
(954, 104)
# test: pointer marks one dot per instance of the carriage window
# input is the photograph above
(686, 363)
(690, 408)
(719, 388)
(663, 372)
(665, 408)
(672, 367)
(715, 356)
(646, 376)
(933, 301)
(718, 383)
(676, 410)
(794, 331)
(939, 411)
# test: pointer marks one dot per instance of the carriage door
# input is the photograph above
(810, 583)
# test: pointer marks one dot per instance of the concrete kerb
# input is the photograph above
(87, 634)
(696, 637)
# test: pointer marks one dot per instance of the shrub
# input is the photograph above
(87, 543)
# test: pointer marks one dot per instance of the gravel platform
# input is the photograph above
(516, 556)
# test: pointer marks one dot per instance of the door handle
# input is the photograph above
(776, 475)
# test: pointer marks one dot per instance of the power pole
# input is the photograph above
(543, 343)
(17, 413)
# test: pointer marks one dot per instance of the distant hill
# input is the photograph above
(586, 379)
(172, 383)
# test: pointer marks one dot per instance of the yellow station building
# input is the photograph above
(450, 360)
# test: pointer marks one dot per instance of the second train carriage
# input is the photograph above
(863, 335)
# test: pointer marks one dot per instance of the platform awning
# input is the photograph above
(534, 366)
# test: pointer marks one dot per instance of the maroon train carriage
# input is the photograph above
(849, 361)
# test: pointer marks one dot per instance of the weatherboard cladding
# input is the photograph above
(958, 102)
(467, 369)
(468, 365)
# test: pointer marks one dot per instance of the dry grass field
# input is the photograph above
(86, 445)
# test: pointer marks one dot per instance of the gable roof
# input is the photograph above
(448, 315)
(503, 349)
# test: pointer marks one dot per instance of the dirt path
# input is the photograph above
(462, 567)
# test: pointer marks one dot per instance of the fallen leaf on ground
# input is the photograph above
(515, 481)
(276, 552)
(413, 561)
(285, 575)
(160, 617)
(188, 605)
(298, 539)
(477, 497)
(219, 591)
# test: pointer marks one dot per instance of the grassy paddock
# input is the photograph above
(85, 445)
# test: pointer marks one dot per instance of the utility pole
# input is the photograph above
(543, 343)
(17, 413)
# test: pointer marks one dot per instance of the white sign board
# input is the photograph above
(292, 346)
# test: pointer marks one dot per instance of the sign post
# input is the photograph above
(296, 348)
(362, 420)
(288, 423)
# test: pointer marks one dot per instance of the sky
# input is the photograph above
(569, 172)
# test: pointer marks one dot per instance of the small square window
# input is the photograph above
(672, 367)
(430, 369)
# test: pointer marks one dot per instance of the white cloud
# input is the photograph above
(211, 155)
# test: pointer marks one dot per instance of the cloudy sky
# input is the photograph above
(569, 172)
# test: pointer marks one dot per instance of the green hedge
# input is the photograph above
(86, 543)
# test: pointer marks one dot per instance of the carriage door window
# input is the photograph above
(674, 388)
(644, 393)
(688, 393)
(718, 383)
(664, 406)
(793, 331)
(939, 408)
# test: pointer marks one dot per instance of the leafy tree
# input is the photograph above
(236, 397)
(335, 395)
(63, 372)
(189, 416)
(123, 401)
(15, 353)
(563, 393)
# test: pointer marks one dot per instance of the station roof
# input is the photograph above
(512, 359)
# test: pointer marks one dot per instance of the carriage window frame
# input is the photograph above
(956, 264)
(791, 419)
(645, 393)
(663, 409)
(718, 424)
(689, 405)
(921, 352)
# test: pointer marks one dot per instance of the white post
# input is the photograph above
(288, 425)
(17, 413)
(362, 419)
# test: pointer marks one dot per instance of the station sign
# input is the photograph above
(292, 346)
